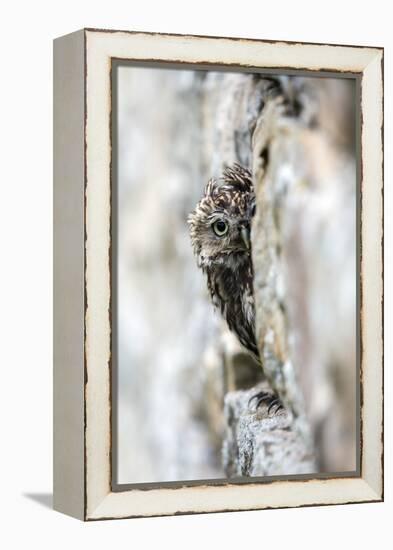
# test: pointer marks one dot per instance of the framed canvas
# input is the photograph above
(218, 330)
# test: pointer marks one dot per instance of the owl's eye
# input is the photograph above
(220, 228)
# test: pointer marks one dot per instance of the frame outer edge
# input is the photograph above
(372, 274)
(68, 294)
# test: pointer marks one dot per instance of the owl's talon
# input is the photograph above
(274, 404)
(271, 400)
(260, 397)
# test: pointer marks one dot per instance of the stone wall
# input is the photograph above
(304, 255)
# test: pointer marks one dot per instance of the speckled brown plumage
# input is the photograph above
(226, 258)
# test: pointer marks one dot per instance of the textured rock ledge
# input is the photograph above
(258, 444)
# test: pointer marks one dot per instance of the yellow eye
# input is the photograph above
(220, 228)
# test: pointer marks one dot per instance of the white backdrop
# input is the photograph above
(26, 287)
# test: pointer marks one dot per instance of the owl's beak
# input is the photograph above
(245, 235)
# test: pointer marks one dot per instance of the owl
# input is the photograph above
(220, 229)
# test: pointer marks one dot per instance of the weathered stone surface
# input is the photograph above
(304, 255)
(259, 444)
(304, 252)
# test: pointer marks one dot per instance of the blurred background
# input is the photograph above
(175, 358)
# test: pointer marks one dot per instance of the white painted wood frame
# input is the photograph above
(82, 252)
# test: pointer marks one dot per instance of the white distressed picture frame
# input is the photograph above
(82, 256)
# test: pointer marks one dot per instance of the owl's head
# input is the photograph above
(221, 222)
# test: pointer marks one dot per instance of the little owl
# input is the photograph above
(220, 234)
